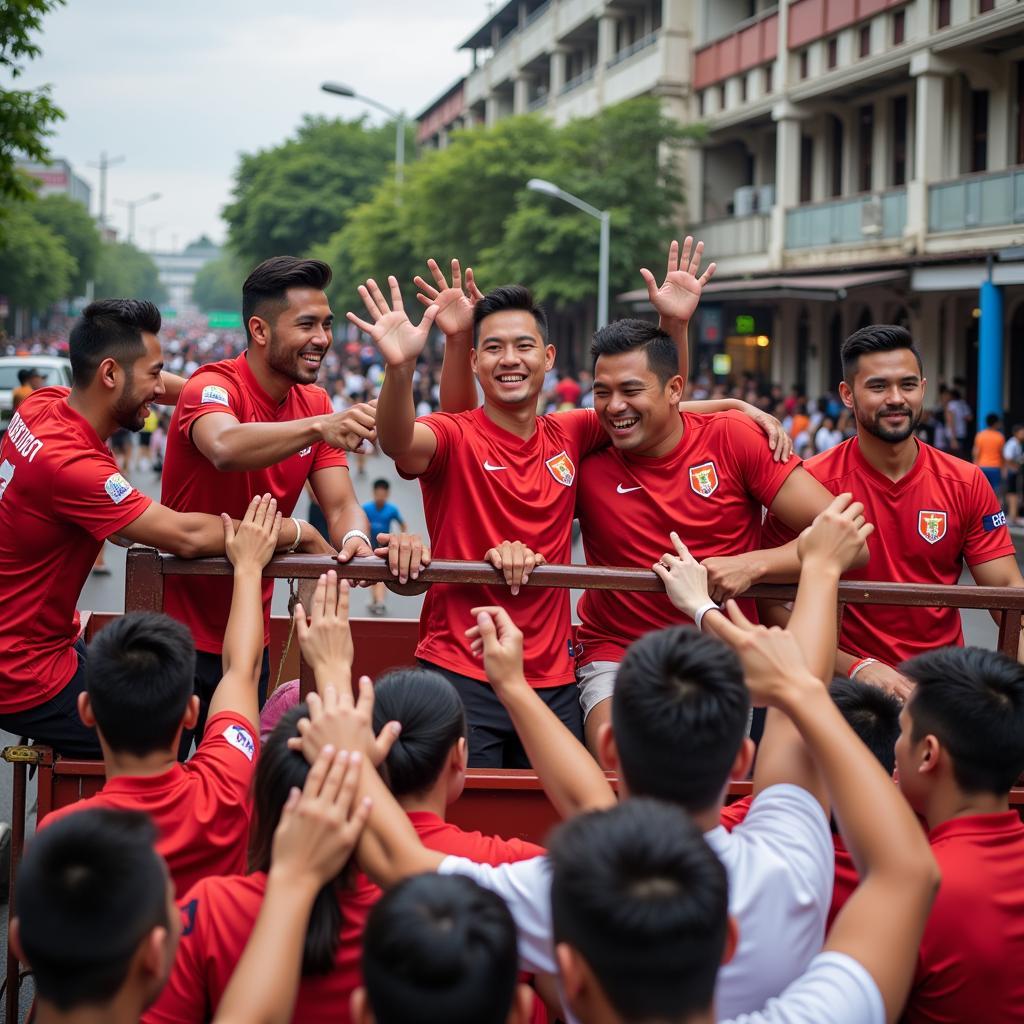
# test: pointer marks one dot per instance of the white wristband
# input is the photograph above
(863, 663)
(356, 533)
(698, 616)
(298, 535)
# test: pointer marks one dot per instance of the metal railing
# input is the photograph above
(643, 43)
(854, 220)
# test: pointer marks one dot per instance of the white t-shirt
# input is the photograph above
(835, 990)
(780, 863)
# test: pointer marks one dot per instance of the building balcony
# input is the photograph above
(644, 43)
(734, 236)
(990, 200)
(577, 80)
(853, 221)
(755, 42)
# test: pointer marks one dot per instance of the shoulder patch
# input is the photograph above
(215, 394)
(993, 522)
(117, 488)
(240, 737)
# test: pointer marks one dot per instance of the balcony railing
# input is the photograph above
(538, 102)
(641, 44)
(735, 236)
(994, 199)
(864, 218)
(577, 80)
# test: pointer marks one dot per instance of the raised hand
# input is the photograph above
(685, 579)
(678, 295)
(454, 305)
(499, 641)
(779, 441)
(399, 342)
(326, 641)
(253, 544)
(836, 536)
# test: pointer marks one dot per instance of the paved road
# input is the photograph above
(106, 593)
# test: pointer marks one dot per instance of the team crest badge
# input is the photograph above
(704, 479)
(562, 469)
(932, 526)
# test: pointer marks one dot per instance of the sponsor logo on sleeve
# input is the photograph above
(240, 738)
(932, 525)
(117, 488)
(704, 479)
(216, 395)
(305, 452)
(562, 469)
(993, 522)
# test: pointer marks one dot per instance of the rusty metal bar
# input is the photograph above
(144, 580)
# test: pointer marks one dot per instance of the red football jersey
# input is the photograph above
(940, 514)
(61, 496)
(709, 489)
(437, 834)
(971, 961)
(192, 484)
(200, 808)
(485, 485)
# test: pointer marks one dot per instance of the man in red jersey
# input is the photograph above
(61, 497)
(960, 751)
(259, 424)
(932, 511)
(706, 477)
(139, 698)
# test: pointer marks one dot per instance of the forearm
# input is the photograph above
(348, 515)
(172, 388)
(814, 619)
(774, 565)
(243, 636)
(396, 412)
(571, 778)
(710, 406)
(679, 332)
(264, 985)
(248, 446)
(458, 386)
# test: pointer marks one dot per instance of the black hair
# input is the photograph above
(265, 291)
(679, 716)
(991, 419)
(875, 338)
(639, 894)
(873, 714)
(90, 888)
(439, 947)
(24, 376)
(628, 335)
(139, 676)
(110, 329)
(972, 701)
(509, 297)
(277, 772)
(433, 721)
(381, 483)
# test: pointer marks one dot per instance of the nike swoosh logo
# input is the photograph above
(487, 465)
(626, 490)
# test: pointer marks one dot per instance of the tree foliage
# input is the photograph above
(70, 221)
(294, 196)
(36, 269)
(218, 284)
(123, 271)
(26, 115)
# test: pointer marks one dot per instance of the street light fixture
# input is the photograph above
(132, 204)
(337, 89)
(549, 188)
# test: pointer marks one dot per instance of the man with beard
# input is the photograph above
(259, 424)
(61, 497)
(932, 511)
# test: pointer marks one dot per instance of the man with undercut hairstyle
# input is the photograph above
(438, 948)
(259, 424)
(960, 751)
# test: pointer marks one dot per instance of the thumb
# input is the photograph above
(488, 630)
(229, 528)
(652, 285)
(429, 315)
(385, 741)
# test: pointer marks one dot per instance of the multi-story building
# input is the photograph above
(177, 271)
(57, 178)
(864, 163)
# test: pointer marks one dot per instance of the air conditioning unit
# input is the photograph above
(871, 217)
(744, 201)
(765, 198)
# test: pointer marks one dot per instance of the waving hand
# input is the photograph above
(400, 343)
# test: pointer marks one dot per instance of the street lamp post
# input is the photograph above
(337, 89)
(132, 204)
(549, 188)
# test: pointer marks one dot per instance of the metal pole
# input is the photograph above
(400, 150)
(131, 221)
(602, 274)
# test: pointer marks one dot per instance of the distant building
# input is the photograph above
(58, 179)
(178, 270)
(444, 115)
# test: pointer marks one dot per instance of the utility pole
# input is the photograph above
(104, 163)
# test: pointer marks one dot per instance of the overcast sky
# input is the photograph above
(180, 88)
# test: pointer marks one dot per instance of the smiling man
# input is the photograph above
(259, 424)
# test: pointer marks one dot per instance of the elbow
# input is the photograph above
(186, 545)
(222, 459)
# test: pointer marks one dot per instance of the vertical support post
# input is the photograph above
(1009, 634)
(400, 150)
(17, 846)
(990, 352)
(602, 281)
(143, 580)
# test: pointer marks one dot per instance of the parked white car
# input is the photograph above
(56, 370)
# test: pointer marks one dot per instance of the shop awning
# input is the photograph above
(815, 287)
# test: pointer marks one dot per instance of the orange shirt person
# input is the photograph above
(988, 451)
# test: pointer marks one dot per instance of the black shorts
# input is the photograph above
(56, 723)
(120, 440)
(493, 742)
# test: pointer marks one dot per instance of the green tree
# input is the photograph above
(26, 115)
(218, 284)
(294, 196)
(35, 267)
(71, 222)
(123, 271)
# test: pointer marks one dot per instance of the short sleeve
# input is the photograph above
(446, 430)
(207, 392)
(526, 889)
(183, 998)
(986, 535)
(762, 475)
(90, 492)
(226, 757)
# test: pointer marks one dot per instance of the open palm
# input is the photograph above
(399, 341)
(680, 292)
(454, 305)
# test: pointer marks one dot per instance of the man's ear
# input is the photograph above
(744, 759)
(359, 1007)
(845, 394)
(521, 1010)
(85, 711)
(549, 356)
(570, 971)
(933, 755)
(191, 713)
(607, 751)
(153, 955)
(259, 330)
(732, 940)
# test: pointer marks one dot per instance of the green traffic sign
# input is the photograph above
(224, 320)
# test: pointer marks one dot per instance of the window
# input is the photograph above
(865, 146)
(721, 96)
(837, 156)
(803, 64)
(743, 88)
(769, 74)
(1020, 112)
(806, 167)
(899, 140)
(865, 41)
(984, 6)
(942, 13)
(979, 130)
(833, 52)
(700, 103)
(899, 28)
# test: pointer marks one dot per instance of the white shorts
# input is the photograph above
(596, 682)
